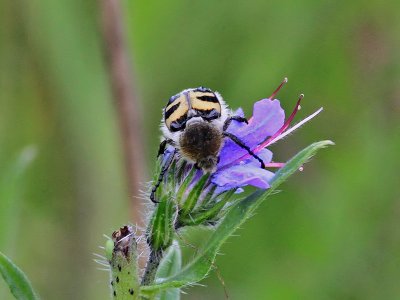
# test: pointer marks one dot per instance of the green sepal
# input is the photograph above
(237, 214)
(172, 174)
(161, 227)
(16, 280)
(160, 234)
(184, 185)
(193, 197)
(209, 197)
(207, 214)
(181, 166)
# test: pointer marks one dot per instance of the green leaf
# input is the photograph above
(17, 281)
(199, 267)
(169, 266)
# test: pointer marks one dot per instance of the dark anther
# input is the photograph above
(115, 294)
(117, 279)
(112, 282)
(119, 268)
(131, 291)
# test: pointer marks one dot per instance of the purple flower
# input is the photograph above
(237, 168)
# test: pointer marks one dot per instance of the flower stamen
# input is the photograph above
(291, 129)
(281, 133)
(285, 80)
(275, 165)
(284, 126)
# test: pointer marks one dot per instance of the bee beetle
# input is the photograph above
(195, 122)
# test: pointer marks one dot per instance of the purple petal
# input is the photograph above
(242, 175)
(230, 152)
(268, 117)
(264, 154)
(239, 112)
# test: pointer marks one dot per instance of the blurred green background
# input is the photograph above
(332, 233)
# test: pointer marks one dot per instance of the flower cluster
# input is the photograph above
(200, 198)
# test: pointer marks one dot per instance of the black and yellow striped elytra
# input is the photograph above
(198, 102)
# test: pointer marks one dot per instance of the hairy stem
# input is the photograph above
(151, 268)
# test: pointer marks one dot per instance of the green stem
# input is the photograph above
(151, 268)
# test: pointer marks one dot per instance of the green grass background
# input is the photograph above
(332, 233)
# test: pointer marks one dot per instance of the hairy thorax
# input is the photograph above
(201, 142)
